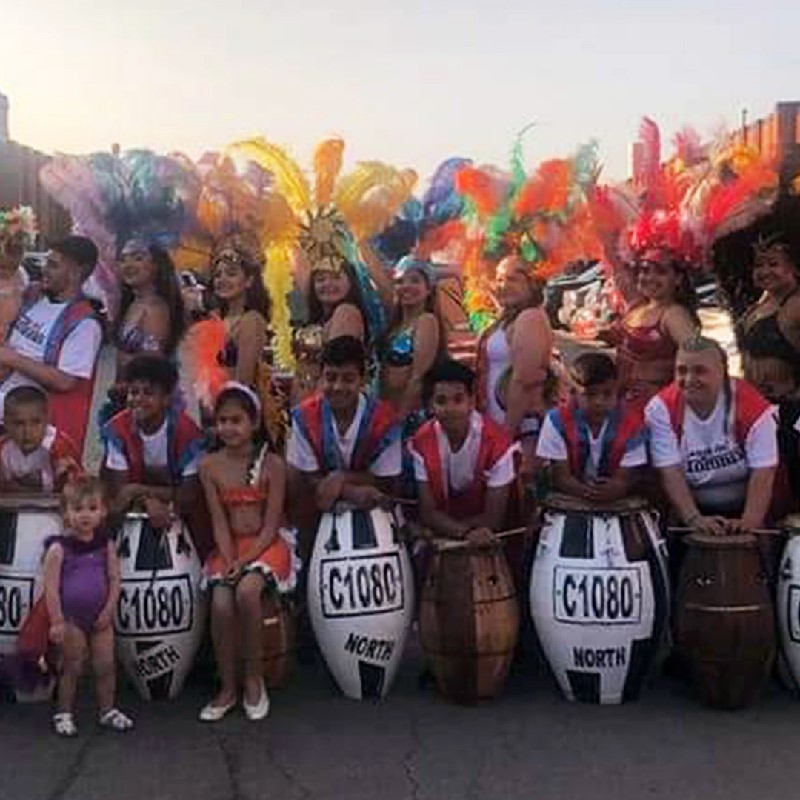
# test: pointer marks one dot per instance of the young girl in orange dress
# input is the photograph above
(245, 486)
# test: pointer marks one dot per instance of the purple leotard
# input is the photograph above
(84, 579)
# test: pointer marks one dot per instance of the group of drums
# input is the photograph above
(598, 594)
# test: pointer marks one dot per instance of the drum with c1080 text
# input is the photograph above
(361, 598)
(26, 522)
(599, 597)
(161, 614)
(788, 600)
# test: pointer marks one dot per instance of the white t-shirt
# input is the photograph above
(155, 453)
(300, 454)
(29, 338)
(459, 466)
(717, 467)
(553, 447)
(16, 465)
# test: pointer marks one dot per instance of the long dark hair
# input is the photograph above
(257, 298)
(431, 306)
(316, 313)
(165, 281)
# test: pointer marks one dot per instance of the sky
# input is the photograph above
(411, 82)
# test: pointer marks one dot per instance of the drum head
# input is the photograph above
(745, 541)
(565, 502)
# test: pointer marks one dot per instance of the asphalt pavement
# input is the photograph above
(527, 743)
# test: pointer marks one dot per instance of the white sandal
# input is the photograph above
(64, 724)
(115, 720)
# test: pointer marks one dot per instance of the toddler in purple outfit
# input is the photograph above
(81, 589)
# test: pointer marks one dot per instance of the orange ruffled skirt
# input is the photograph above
(278, 562)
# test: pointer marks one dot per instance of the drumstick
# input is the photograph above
(458, 544)
(677, 530)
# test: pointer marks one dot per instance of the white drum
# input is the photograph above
(161, 614)
(361, 599)
(788, 601)
(25, 524)
(599, 597)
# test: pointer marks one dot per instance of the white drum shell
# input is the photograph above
(588, 637)
(788, 600)
(24, 532)
(161, 616)
(361, 599)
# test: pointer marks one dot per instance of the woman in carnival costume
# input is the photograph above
(759, 251)
(133, 205)
(317, 233)
(526, 229)
(17, 233)
(656, 252)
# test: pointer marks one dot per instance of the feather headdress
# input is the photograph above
(319, 226)
(114, 197)
(542, 217)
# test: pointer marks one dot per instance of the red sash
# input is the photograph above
(748, 406)
(495, 443)
(184, 440)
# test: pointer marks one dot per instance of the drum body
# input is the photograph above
(278, 640)
(788, 600)
(161, 614)
(25, 525)
(361, 599)
(725, 629)
(469, 621)
(599, 597)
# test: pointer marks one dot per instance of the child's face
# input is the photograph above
(234, 426)
(598, 400)
(341, 386)
(451, 404)
(86, 516)
(148, 403)
(26, 425)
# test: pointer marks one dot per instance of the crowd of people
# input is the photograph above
(375, 410)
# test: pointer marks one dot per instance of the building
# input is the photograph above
(19, 180)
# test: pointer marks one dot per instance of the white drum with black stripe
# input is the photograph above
(25, 525)
(361, 599)
(599, 597)
(788, 601)
(161, 614)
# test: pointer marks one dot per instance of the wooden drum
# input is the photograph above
(469, 620)
(725, 627)
(278, 640)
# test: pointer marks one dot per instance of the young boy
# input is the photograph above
(34, 456)
(463, 460)
(152, 450)
(345, 444)
(591, 443)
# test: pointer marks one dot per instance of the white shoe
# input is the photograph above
(260, 709)
(212, 713)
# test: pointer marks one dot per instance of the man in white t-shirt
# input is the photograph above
(345, 444)
(591, 441)
(55, 340)
(713, 440)
(463, 460)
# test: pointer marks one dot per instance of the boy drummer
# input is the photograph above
(152, 449)
(344, 444)
(463, 460)
(591, 442)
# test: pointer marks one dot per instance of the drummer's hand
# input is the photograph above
(713, 526)
(367, 497)
(480, 535)
(159, 512)
(329, 490)
(57, 632)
